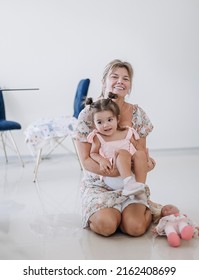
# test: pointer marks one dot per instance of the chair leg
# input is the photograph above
(38, 159)
(16, 148)
(81, 166)
(58, 142)
(4, 147)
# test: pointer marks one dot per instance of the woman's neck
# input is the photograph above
(120, 102)
(126, 113)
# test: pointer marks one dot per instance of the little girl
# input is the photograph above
(113, 145)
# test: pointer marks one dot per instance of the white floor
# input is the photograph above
(43, 220)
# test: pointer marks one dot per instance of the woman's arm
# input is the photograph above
(141, 145)
(143, 126)
(150, 161)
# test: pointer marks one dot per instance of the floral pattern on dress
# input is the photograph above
(141, 122)
(95, 194)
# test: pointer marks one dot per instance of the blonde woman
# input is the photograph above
(105, 210)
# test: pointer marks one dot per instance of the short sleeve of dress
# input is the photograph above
(141, 122)
(84, 125)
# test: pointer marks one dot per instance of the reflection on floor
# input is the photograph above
(43, 220)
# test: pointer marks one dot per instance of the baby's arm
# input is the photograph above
(104, 163)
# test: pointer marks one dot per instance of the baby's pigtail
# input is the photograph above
(89, 101)
(112, 95)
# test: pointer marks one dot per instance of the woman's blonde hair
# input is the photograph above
(114, 64)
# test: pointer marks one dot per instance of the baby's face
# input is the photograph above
(169, 210)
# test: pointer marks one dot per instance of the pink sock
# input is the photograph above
(173, 239)
(187, 233)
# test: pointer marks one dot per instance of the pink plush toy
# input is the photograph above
(174, 225)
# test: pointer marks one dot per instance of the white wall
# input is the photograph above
(52, 44)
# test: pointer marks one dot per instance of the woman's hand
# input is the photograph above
(105, 166)
(150, 161)
(151, 164)
(113, 172)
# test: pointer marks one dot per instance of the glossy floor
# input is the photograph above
(43, 220)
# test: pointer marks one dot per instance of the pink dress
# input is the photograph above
(108, 149)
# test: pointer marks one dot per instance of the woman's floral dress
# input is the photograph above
(95, 195)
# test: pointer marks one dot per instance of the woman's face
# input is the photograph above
(117, 81)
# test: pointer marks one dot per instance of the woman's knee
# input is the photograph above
(137, 224)
(135, 229)
(105, 225)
